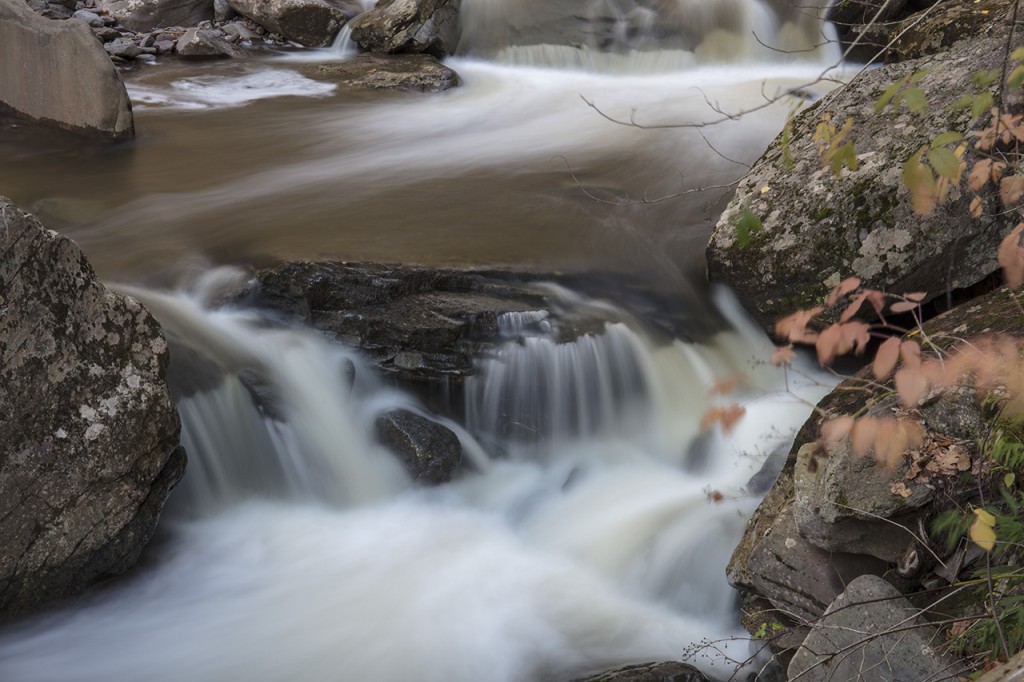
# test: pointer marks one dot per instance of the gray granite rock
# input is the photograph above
(89, 435)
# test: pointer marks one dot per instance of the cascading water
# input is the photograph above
(582, 533)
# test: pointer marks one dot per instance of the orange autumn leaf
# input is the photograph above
(911, 385)
(794, 327)
(835, 430)
(727, 384)
(727, 417)
(1011, 257)
(903, 306)
(848, 285)
(1011, 189)
(783, 355)
(886, 357)
(829, 344)
(910, 353)
(862, 435)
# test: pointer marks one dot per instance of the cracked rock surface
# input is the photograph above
(89, 437)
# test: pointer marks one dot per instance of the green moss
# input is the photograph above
(821, 213)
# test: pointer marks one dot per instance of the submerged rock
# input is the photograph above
(670, 671)
(89, 435)
(417, 72)
(56, 72)
(430, 26)
(817, 228)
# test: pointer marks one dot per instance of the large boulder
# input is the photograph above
(397, 72)
(833, 515)
(56, 72)
(430, 26)
(89, 435)
(145, 15)
(313, 23)
(871, 632)
(817, 228)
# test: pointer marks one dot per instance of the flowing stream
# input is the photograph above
(297, 548)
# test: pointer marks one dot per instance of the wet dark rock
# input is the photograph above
(62, 75)
(407, 72)
(421, 326)
(817, 229)
(198, 43)
(146, 15)
(430, 26)
(313, 23)
(670, 671)
(430, 452)
(89, 443)
(871, 627)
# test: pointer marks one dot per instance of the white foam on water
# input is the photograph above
(226, 91)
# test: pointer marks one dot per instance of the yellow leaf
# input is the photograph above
(985, 517)
(982, 531)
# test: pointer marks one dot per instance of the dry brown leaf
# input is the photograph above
(885, 358)
(727, 384)
(842, 289)
(727, 417)
(1011, 189)
(1011, 257)
(794, 327)
(980, 174)
(856, 336)
(783, 355)
(910, 353)
(902, 306)
(977, 207)
(862, 435)
(854, 306)
(890, 442)
(829, 344)
(835, 430)
(911, 386)
(877, 300)
(899, 488)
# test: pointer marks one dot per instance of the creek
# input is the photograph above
(296, 548)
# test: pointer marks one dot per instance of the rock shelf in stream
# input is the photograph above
(424, 328)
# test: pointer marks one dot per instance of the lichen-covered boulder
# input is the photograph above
(313, 23)
(931, 32)
(430, 26)
(817, 228)
(56, 72)
(834, 515)
(871, 632)
(89, 443)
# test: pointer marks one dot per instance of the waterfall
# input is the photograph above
(592, 520)
(299, 550)
(643, 36)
